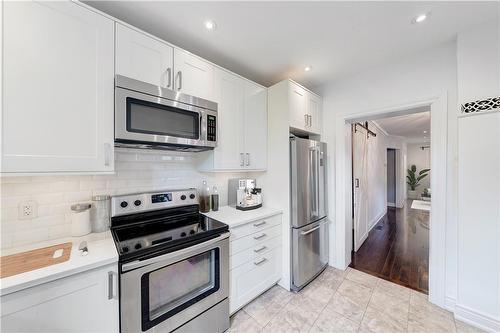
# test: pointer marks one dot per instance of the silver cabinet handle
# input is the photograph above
(179, 74)
(256, 263)
(107, 154)
(242, 159)
(169, 77)
(259, 224)
(248, 159)
(260, 237)
(111, 285)
(309, 231)
(260, 249)
(306, 118)
(310, 121)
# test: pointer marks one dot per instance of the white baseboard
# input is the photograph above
(375, 220)
(477, 319)
(449, 303)
(391, 204)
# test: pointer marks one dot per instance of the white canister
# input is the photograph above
(80, 220)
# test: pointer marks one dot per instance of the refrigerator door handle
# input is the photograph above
(315, 169)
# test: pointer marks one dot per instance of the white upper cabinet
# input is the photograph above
(229, 95)
(304, 108)
(255, 123)
(242, 125)
(193, 76)
(143, 58)
(313, 107)
(298, 114)
(58, 85)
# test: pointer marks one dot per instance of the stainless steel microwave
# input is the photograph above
(148, 116)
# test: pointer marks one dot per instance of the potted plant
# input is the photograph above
(414, 181)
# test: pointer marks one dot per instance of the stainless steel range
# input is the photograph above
(173, 262)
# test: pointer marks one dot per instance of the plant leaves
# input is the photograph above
(424, 171)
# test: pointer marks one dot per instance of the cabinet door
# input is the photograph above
(255, 126)
(229, 94)
(314, 112)
(143, 58)
(58, 88)
(297, 99)
(193, 76)
(253, 278)
(84, 302)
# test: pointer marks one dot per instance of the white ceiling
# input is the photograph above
(270, 41)
(411, 126)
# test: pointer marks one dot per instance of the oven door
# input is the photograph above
(142, 118)
(163, 292)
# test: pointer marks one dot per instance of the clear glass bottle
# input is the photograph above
(215, 199)
(204, 198)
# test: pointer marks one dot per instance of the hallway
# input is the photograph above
(397, 248)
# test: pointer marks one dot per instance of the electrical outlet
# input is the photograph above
(27, 210)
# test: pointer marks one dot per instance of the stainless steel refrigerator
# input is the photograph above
(309, 225)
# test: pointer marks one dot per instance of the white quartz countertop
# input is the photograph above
(234, 217)
(101, 252)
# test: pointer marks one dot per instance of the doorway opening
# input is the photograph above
(391, 198)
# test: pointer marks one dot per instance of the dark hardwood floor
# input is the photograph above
(397, 248)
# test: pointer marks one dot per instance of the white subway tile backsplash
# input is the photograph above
(135, 171)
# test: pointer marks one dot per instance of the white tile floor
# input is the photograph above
(349, 301)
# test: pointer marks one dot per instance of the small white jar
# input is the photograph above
(80, 220)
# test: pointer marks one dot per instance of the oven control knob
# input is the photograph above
(125, 249)
(138, 246)
(183, 197)
(192, 196)
(183, 234)
(137, 202)
(191, 232)
(123, 204)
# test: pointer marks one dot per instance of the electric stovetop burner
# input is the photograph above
(148, 230)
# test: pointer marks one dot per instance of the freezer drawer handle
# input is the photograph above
(309, 231)
(261, 236)
(260, 249)
(259, 224)
(257, 263)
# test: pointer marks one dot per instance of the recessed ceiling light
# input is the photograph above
(307, 68)
(421, 18)
(210, 25)
(425, 132)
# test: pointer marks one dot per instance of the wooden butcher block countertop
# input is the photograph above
(35, 259)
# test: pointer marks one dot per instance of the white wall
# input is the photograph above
(478, 297)
(422, 160)
(478, 54)
(419, 77)
(136, 171)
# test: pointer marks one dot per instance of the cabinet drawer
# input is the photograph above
(244, 256)
(254, 226)
(253, 240)
(251, 279)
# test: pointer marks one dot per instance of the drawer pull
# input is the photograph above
(257, 263)
(259, 224)
(261, 236)
(260, 249)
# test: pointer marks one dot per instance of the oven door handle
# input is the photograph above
(141, 263)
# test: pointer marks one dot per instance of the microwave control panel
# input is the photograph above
(211, 128)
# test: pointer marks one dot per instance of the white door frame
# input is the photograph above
(342, 243)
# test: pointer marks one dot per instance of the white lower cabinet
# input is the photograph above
(255, 260)
(84, 302)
